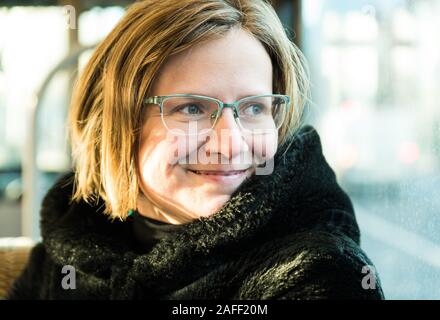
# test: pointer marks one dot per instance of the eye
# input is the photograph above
(190, 109)
(253, 110)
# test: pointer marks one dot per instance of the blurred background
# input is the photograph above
(375, 73)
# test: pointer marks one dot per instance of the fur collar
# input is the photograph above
(300, 195)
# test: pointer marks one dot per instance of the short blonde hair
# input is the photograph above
(106, 109)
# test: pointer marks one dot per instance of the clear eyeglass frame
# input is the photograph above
(159, 100)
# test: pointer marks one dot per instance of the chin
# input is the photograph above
(217, 205)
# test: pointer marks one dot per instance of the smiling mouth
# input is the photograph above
(218, 172)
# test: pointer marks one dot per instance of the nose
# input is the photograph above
(226, 139)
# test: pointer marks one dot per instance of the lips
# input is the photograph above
(226, 178)
(218, 172)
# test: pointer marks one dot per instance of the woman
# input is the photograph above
(193, 177)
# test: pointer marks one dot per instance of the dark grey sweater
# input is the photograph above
(149, 231)
(288, 235)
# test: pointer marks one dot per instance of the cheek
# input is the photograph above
(159, 158)
(156, 156)
(154, 170)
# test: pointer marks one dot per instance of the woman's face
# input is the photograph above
(228, 68)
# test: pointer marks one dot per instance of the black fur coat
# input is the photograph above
(288, 235)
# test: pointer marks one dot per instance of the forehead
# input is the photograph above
(233, 65)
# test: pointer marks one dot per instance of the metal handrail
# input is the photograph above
(31, 197)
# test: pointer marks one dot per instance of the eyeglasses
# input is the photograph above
(187, 114)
